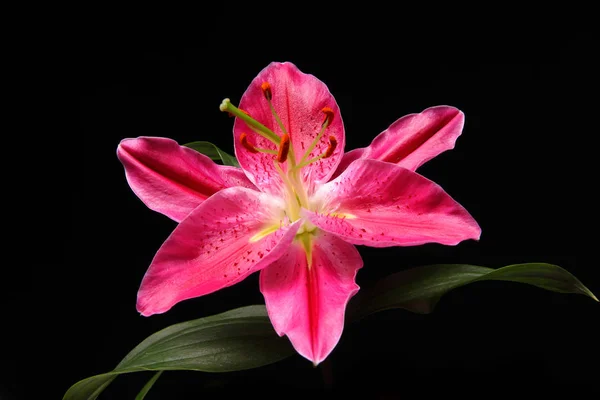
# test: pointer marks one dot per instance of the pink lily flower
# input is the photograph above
(281, 213)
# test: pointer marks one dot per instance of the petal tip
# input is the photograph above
(147, 308)
(476, 235)
(127, 142)
(143, 311)
(122, 146)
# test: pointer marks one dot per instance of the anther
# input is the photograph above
(266, 89)
(328, 115)
(284, 148)
(246, 145)
(331, 148)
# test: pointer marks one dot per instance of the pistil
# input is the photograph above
(256, 126)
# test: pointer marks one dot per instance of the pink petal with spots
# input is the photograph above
(298, 99)
(212, 249)
(174, 179)
(413, 139)
(379, 204)
(308, 303)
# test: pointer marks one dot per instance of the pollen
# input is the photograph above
(266, 89)
(331, 148)
(328, 115)
(284, 148)
(247, 146)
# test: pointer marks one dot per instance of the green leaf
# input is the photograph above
(215, 153)
(419, 289)
(244, 338)
(232, 341)
(148, 386)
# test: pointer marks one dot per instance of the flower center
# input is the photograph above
(284, 160)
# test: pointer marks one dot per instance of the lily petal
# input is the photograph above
(298, 99)
(379, 204)
(174, 179)
(217, 245)
(413, 139)
(308, 303)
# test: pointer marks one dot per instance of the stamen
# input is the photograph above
(328, 118)
(252, 149)
(328, 153)
(328, 115)
(266, 89)
(284, 148)
(331, 148)
(247, 146)
(268, 93)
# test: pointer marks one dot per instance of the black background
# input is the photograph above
(518, 168)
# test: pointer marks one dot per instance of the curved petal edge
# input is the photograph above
(173, 179)
(219, 244)
(413, 139)
(308, 303)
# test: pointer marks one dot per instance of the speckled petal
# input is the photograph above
(308, 303)
(174, 179)
(299, 99)
(413, 139)
(217, 245)
(379, 204)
